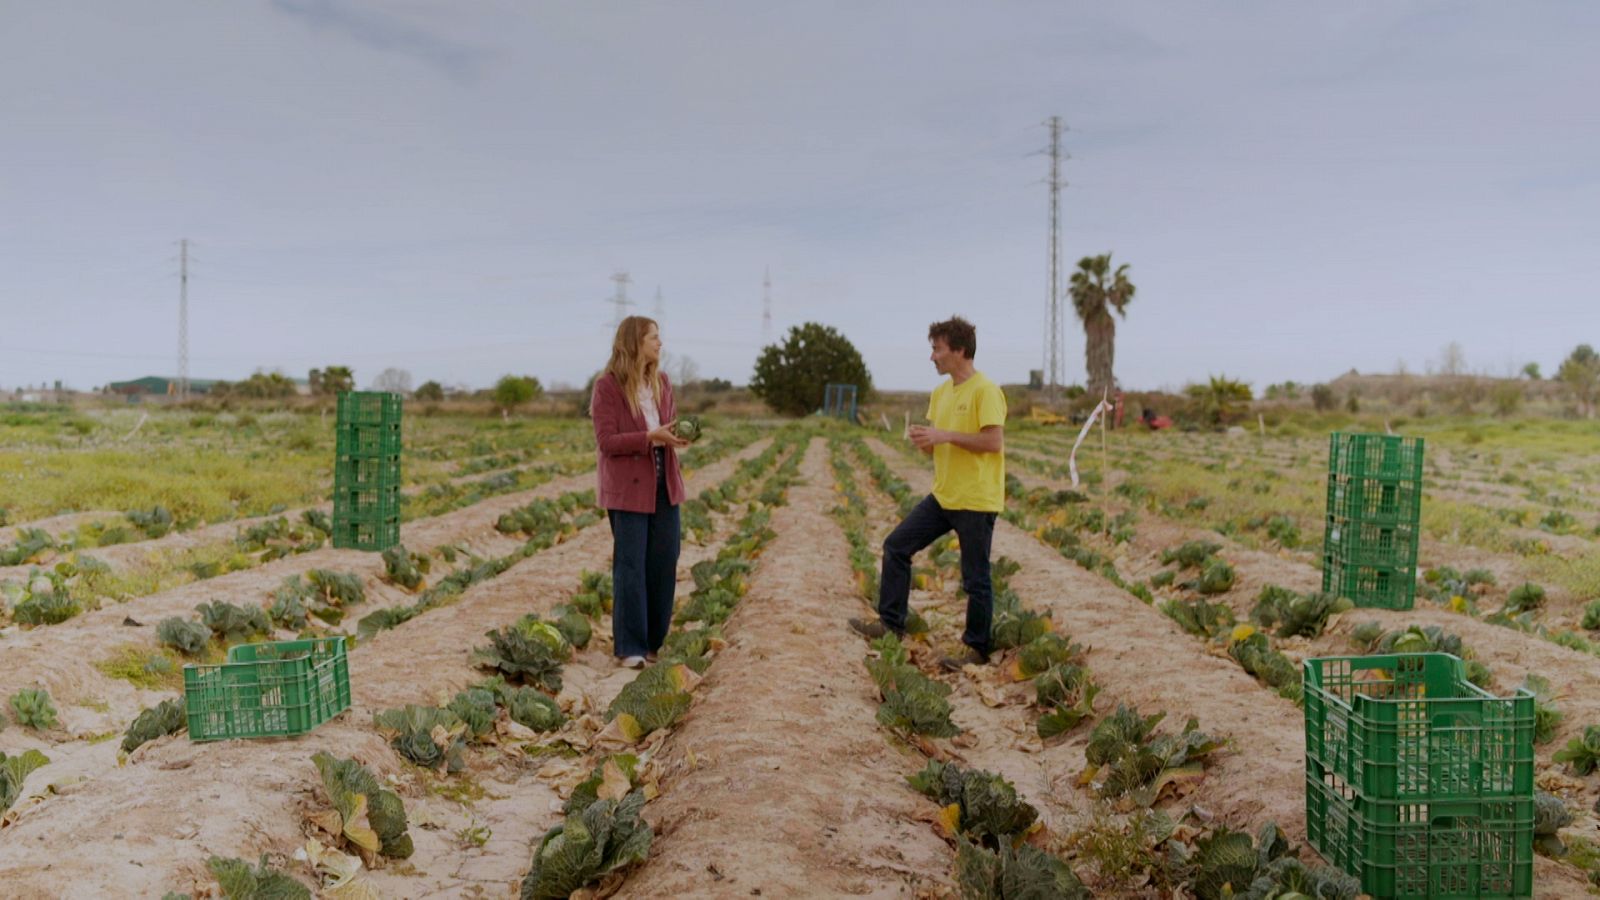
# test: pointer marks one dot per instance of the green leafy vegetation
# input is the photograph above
(404, 568)
(987, 807)
(14, 771)
(689, 428)
(1131, 760)
(1006, 872)
(912, 703)
(31, 707)
(1582, 754)
(238, 880)
(430, 737)
(656, 699)
(166, 717)
(1296, 614)
(370, 817)
(603, 837)
(528, 707)
(1251, 650)
(187, 637)
(233, 624)
(529, 651)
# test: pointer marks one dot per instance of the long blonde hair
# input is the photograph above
(627, 364)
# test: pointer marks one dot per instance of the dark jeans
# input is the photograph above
(644, 575)
(927, 523)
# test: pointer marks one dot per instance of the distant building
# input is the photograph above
(157, 385)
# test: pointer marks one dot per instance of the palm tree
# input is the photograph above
(1096, 290)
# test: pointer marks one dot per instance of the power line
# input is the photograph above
(766, 307)
(620, 298)
(1053, 372)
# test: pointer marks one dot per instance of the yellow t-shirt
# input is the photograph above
(963, 479)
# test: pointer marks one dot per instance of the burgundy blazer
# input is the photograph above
(622, 447)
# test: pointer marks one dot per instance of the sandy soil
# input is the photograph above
(1509, 654)
(779, 782)
(1141, 657)
(169, 851)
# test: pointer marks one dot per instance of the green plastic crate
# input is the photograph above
(1410, 727)
(1371, 543)
(368, 408)
(1374, 500)
(1442, 850)
(1382, 456)
(1370, 587)
(367, 440)
(367, 503)
(358, 472)
(275, 689)
(366, 533)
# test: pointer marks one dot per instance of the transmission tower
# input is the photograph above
(660, 311)
(183, 320)
(766, 307)
(620, 298)
(1053, 341)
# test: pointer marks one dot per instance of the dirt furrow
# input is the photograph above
(779, 783)
(1139, 656)
(249, 796)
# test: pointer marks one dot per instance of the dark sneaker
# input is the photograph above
(970, 658)
(871, 629)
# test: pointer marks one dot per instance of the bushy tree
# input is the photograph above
(1580, 372)
(394, 381)
(1531, 372)
(430, 390)
(332, 380)
(1322, 398)
(716, 385)
(260, 386)
(792, 377)
(511, 391)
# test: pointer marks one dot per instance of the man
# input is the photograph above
(967, 441)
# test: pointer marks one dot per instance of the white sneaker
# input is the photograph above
(632, 662)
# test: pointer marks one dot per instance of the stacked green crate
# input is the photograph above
(366, 471)
(1373, 518)
(1419, 783)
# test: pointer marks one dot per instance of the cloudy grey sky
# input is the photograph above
(447, 187)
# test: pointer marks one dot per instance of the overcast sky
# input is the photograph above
(447, 187)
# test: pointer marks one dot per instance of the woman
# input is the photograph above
(641, 486)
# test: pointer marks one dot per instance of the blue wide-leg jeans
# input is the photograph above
(644, 575)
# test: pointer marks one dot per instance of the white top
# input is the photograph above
(647, 405)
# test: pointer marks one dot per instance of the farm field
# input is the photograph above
(772, 751)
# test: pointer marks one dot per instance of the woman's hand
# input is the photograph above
(666, 438)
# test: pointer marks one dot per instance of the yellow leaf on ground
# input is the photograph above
(614, 784)
(949, 823)
(623, 731)
(358, 830)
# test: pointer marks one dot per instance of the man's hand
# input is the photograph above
(926, 438)
(990, 440)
